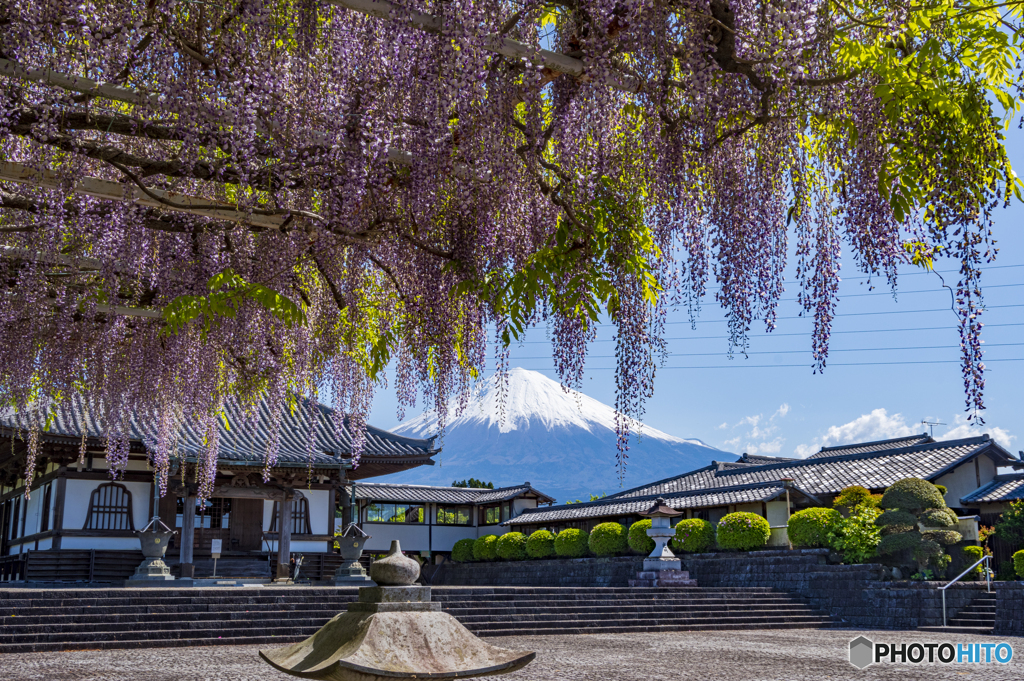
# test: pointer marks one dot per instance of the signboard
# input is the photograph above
(215, 547)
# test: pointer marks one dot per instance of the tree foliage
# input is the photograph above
(260, 199)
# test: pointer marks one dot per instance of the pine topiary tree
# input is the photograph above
(541, 544)
(512, 546)
(638, 539)
(608, 539)
(908, 504)
(572, 543)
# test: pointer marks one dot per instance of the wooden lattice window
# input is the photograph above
(300, 516)
(110, 508)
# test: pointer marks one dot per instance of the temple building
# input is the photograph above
(76, 514)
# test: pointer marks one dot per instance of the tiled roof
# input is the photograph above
(242, 438)
(761, 458)
(1002, 488)
(382, 491)
(829, 475)
(876, 446)
(609, 507)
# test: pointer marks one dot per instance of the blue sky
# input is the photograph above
(892, 363)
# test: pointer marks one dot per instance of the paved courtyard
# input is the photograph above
(794, 655)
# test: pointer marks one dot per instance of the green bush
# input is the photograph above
(1011, 524)
(694, 536)
(541, 544)
(912, 494)
(895, 520)
(810, 527)
(572, 543)
(486, 547)
(512, 546)
(1005, 571)
(857, 537)
(608, 539)
(939, 517)
(944, 537)
(638, 539)
(971, 555)
(743, 531)
(1018, 563)
(853, 497)
(894, 543)
(462, 552)
(942, 489)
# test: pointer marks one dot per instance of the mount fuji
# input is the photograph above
(562, 443)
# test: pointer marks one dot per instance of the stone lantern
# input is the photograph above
(662, 568)
(154, 542)
(351, 543)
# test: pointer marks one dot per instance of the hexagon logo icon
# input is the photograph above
(862, 652)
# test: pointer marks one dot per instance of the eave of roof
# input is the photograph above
(392, 492)
(1002, 488)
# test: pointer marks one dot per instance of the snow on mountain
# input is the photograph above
(563, 443)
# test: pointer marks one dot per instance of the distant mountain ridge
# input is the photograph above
(562, 443)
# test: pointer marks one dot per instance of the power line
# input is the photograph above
(808, 366)
(797, 352)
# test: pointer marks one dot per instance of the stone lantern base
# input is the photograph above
(676, 578)
(351, 574)
(152, 569)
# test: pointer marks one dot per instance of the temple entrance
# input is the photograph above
(246, 530)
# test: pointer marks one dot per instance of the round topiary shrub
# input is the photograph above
(572, 543)
(608, 539)
(894, 543)
(512, 546)
(743, 531)
(638, 539)
(462, 552)
(541, 544)
(971, 555)
(1018, 563)
(912, 494)
(810, 527)
(694, 535)
(939, 517)
(853, 496)
(942, 489)
(944, 537)
(895, 521)
(485, 548)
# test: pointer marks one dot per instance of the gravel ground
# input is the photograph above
(793, 655)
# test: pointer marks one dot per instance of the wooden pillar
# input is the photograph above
(188, 536)
(332, 505)
(346, 506)
(58, 506)
(284, 537)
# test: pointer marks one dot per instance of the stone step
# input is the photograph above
(663, 616)
(957, 630)
(821, 623)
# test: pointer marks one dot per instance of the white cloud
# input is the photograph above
(760, 437)
(879, 425)
(781, 411)
(772, 447)
(964, 428)
(723, 426)
(733, 442)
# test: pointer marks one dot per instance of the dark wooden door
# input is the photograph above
(246, 524)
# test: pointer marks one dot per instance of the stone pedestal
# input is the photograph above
(152, 569)
(654, 578)
(662, 563)
(351, 574)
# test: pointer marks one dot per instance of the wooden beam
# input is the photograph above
(79, 84)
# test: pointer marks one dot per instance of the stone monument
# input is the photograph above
(154, 546)
(394, 631)
(351, 572)
(662, 568)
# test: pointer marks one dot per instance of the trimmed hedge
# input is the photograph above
(541, 544)
(1018, 563)
(608, 539)
(939, 517)
(462, 552)
(971, 555)
(743, 531)
(945, 537)
(899, 521)
(912, 494)
(486, 547)
(894, 543)
(638, 539)
(512, 546)
(694, 535)
(810, 527)
(572, 543)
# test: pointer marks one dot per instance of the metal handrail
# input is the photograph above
(988, 580)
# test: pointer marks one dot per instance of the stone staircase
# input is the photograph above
(977, 618)
(42, 620)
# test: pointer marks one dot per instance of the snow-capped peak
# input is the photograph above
(532, 400)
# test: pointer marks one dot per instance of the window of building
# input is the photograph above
(454, 515)
(395, 513)
(300, 516)
(701, 513)
(44, 522)
(110, 508)
(492, 515)
(215, 514)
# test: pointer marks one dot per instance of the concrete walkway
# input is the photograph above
(795, 655)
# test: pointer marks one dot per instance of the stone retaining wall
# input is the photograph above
(556, 572)
(1010, 609)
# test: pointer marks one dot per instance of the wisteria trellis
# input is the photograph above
(241, 198)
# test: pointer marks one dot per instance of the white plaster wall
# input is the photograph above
(76, 503)
(101, 543)
(749, 508)
(268, 514)
(962, 480)
(491, 529)
(777, 513)
(33, 512)
(411, 537)
(518, 505)
(445, 536)
(45, 544)
(99, 463)
(300, 546)
(319, 501)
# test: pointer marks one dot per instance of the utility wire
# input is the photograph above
(795, 352)
(808, 366)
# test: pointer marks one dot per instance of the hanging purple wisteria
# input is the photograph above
(245, 199)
